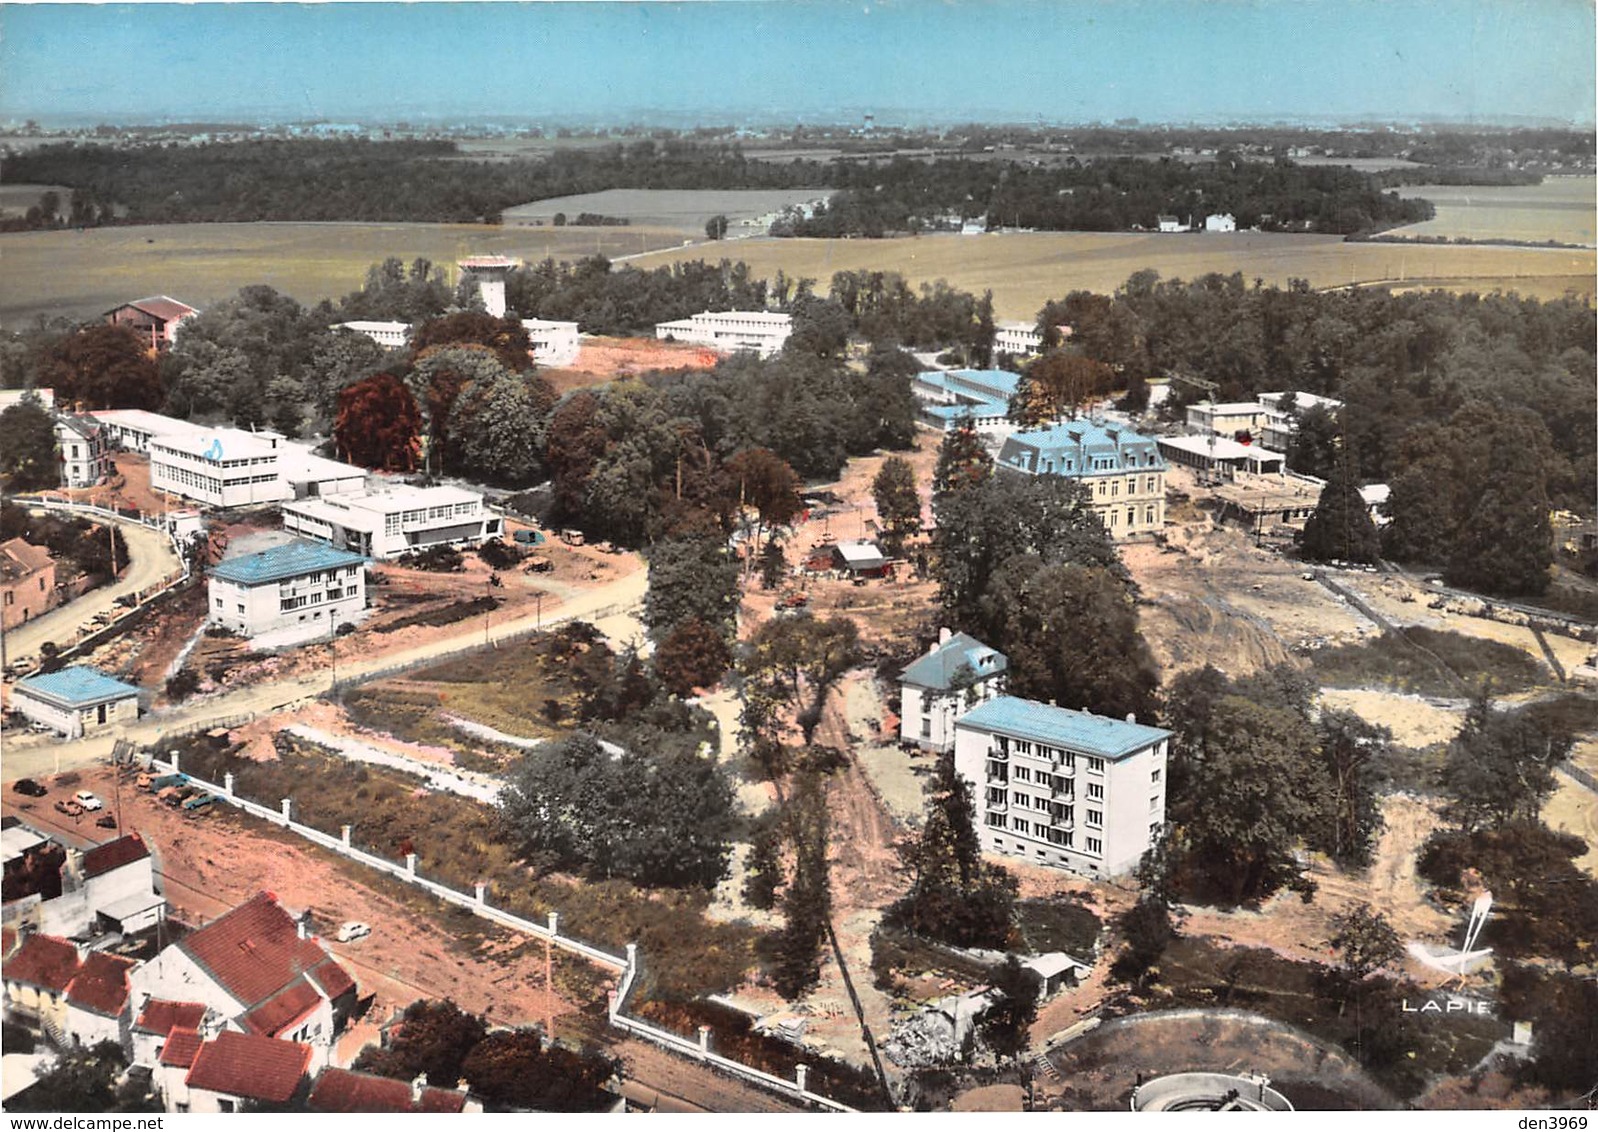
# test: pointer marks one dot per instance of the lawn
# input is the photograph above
(1392, 662)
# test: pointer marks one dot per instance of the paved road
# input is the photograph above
(34, 755)
(151, 559)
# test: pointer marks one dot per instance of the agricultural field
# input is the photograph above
(1561, 208)
(686, 209)
(15, 200)
(79, 274)
(1025, 270)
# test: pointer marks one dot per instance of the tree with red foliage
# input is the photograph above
(759, 478)
(101, 367)
(574, 444)
(378, 424)
(518, 1069)
(505, 337)
(693, 655)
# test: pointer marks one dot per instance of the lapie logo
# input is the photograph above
(1450, 1005)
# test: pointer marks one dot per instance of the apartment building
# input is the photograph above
(300, 585)
(1123, 470)
(1063, 788)
(1019, 339)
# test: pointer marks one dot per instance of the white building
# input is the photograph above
(76, 701)
(225, 467)
(1220, 222)
(1220, 455)
(1122, 469)
(760, 332)
(955, 675)
(1064, 788)
(106, 888)
(134, 429)
(389, 335)
(1282, 411)
(554, 343)
(1170, 224)
(386, 524)
(489, 272)
(85, 451)
(300, 585)
(1019, 339)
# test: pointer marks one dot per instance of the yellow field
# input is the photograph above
(1025, 270)
(79, 274)
(1561, 208)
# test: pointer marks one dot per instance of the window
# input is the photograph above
(1095, 845)
(996, 795)
(241, 607)
(1018, 798)
(1149, 485)
(1154, 775)
(1148, 514)
(1096, 818)
(995, 820)
(1154, 804)
(1095, 766)
(1022, 826)
(1022, 747)
(1095, 790)
(926, 727)
(1040, 803)
(1022, 774)
(218, 602)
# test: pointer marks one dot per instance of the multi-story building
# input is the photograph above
(1228, 418)
(1063, 788)
(1018, 339)
(954, 676)
(85, 450)
(225, 467)
(1122, 469)
(950, 397)
(1281, 415)
(554, 343)
(27, 582)
(300, 585)
(134, 429)
(386, 524)
(759, 332)
(155, 319)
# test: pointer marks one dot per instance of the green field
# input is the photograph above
(1025, 270)
(80, 274)
(1561, 208)
(687, 209)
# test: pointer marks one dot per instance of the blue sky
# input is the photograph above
(718, 61)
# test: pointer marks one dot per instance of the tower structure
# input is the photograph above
(489, 272)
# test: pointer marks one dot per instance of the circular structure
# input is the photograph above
(1209, 1092)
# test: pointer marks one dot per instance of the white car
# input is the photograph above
(352, 930)
(88, 801)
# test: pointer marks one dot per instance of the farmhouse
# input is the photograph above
(1220, 222)
(1170, 224)
(1123, 470)
(156, 319)
(759, 332)
(1220, 455)
(85, 450)
(27, 582)
(1064, 788)
(388, 523)
(301, 585)
(956, 674)
(950, 397)
(1019, 339)
(76, 701)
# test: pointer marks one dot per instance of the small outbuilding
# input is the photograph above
(76, 701)
(861, 558)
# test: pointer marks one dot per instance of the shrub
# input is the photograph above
(182, 685)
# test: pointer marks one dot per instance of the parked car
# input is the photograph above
(70, 808)
(352, 930)
(106, 821)
(88, 800)
(29, 787)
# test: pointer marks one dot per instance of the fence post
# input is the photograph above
(554, 924)
(410, 864)
(800, 1072)
(482, 893)
(227, 784)
(344, 835)
(287, 806)
(704, 1041)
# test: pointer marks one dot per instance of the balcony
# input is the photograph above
(1002, 754)
(1063, 770)
(1063, 793)
(1064, 825)
(998, 807)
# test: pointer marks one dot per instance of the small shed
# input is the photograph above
(76, 701)
(861, 558)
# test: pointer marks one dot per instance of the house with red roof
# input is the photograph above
(97, 999)
(156, 1021)
(155, 319)
(260, 970)
(36, 978)
(234, 1071)
(344, 1090)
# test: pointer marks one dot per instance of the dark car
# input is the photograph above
(29, 787)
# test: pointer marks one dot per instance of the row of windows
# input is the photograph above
(1062, 837)
(1113, 487)
(1131, 516)
(187, 478)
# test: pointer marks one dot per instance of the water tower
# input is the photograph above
(489, 272)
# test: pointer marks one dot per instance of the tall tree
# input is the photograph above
(791, 664)
(691, 579)
(506, 338)
(101, 367)
(693, 654)
(378, 425)
(434, 1038)
(1499, 767)
(1008, 1024)
(807, 900)
(499, 429)
(898, 502)
(759, 478)
(1058, 385)
(963, 462)
(1340, 528)
(27, 446)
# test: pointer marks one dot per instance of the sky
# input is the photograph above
(785, 61)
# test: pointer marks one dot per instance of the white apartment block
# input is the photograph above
(1019, 339)
(954, 676)
(1122, 469)
(389, 335)
(386, 524)
(759, 332)
(85, 451)
(1227, 418)
(300, 585)
(554, 343)
(1063, 788)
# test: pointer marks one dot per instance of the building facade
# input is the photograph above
(220, 468)
(1122, 470)
(389, 335)
(955, 675)
(950, 397)
(554, 343)
(27, 582)
(388, 523)
(1220, 222)
(156, 319)
(76, 701)
(1063, 788)
(85, 450)
(1018, 339)
(300, 585)
(759, 332)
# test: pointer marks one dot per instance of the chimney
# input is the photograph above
(1054, 703)
(1131, 717)
(944, 634)
(300, 928)
(418, 1083)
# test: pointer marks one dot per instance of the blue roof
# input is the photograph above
(1080, 448)
(977, 392)
(1057, 726)
(78, 686)
(281, 562)
(937, 668)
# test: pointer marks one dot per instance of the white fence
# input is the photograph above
(477, 903)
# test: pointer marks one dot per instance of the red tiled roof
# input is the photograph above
(341, 1090)
(28, 559)
(283, 1009)
(8, 940)
(182, 1047)
(113, 855)
(160, 1015)
(43, 961)
(161, 306)
(254, 952)
(247, 1065)
(101, 985)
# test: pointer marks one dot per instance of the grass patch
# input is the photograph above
(1412, 769)
(1058, 925)
(442, 615)
(1398, 1049)
(1392, 662)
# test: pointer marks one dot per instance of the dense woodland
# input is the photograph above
(427, 181)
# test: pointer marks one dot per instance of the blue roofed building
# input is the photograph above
(288, 594)
(950, 396)
(76, 701)
(1123, 470)
(1063, 788)
(953, 676)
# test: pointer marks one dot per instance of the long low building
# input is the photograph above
(1220, 455)
(388, 523)
(229, 467)
(950, 397)
(76, 701)
(760, 332)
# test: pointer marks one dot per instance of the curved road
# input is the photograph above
(33, 755)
